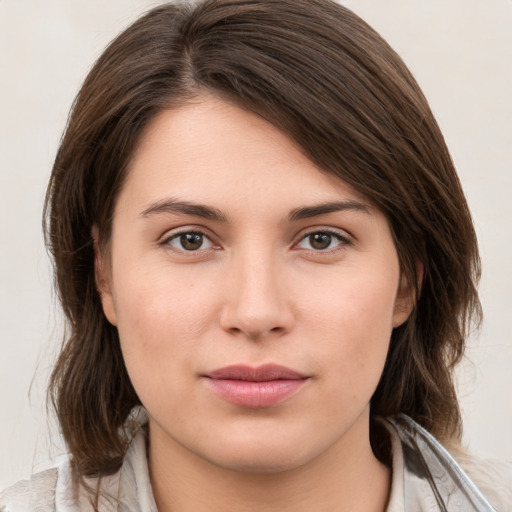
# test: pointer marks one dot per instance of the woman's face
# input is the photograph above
(254, 294)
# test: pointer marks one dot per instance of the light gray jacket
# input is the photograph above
(426, 478)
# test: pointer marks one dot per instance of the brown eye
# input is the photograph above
(320, 241)
(323, 241)
(189, 241)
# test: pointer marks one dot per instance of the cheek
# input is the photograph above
(161, 321)
(157, 303)
(353, 300)
(351, 321)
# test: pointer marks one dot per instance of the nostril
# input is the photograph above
(254, 316)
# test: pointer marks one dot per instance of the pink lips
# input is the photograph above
(255, 387)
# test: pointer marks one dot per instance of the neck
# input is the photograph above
(345, 477)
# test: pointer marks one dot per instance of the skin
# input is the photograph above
(255, 292)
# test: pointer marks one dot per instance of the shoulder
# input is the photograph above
(38, 493)
(492, 477)
(428, 477)
(59, 489)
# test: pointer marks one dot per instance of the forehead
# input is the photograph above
(213, 151)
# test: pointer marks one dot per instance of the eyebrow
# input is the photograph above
(184, 208)
(306, 212)
(175, 206)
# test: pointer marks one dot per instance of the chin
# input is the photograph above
(255, 454)
(266, 461)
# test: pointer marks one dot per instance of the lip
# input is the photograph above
(256, 388)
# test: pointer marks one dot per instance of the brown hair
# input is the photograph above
(323, 76)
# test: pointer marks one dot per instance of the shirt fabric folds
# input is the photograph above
(426, 478)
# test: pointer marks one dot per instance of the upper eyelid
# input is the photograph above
(344, 237)
(172, 233)
(167, 238)
(342, 233)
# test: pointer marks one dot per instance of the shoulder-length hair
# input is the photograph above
(332, 84)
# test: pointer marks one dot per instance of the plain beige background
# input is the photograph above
(461, 54)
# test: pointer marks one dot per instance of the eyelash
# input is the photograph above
(342, 239)
(176, 236)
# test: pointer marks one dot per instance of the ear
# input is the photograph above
(103, 280)
(406, 297)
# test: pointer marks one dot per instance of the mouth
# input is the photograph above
(257, 388)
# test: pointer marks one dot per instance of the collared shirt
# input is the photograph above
(425, 479)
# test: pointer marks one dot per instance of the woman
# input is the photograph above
(269, 270)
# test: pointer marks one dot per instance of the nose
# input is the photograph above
(257, 304)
